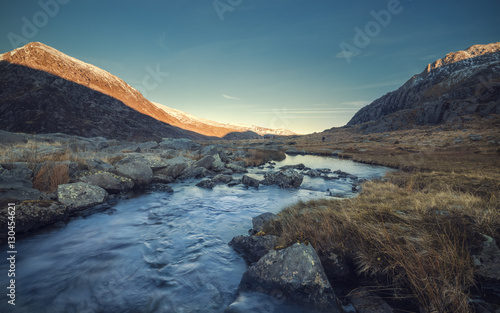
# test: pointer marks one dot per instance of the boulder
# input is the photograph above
(153, 160)
(288, 178)
(292, 151)
(205, 162)
(252, 248)
(174, 167)
(221, 178)
(218, 165)
(80, 195)
(487, 261)
(240, 163)
(206, 183)
(18, 170)
(295, 271)
(250, 181)
(299, 166)
(336, 267)
(178, 144)
(365, 301)
(140, 173)
(236, 168)
(98, 165)
(110, 182)
(261, 220)
(18, 189)
(194, 172)
(31, 215)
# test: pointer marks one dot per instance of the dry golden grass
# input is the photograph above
(421, 241)
(261, 156)
(50, 176)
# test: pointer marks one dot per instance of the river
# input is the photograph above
(158, 252)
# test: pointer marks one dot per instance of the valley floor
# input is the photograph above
(421, 232)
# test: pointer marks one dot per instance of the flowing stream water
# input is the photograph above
(158, 252)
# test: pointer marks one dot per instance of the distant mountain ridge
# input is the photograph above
(461, 83)
(188, 119)
(41, 57)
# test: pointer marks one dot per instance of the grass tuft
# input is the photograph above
(419, 240)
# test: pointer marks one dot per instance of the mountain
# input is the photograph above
(461, 83)
(29, 77)
(197, 122)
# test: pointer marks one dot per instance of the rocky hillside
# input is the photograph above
(47, 60)
(462, 83)
(34, 101)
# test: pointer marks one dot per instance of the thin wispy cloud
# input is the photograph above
(378, 85)
(360, 103)
(230, 97)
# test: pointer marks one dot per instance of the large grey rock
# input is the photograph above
(31, 215)
(178, 144)
(218, 165)
(365, 301)
(285, 179)
(110, 182)
(221, 178)
(252, 248)
(206, 183)
(153, 160)
(487, 260)
(140, 173)
(19, 170)
(195, 172)
(174, 167)
(295, 271)
(19, 189)
(336, 267)
(98, 165)
(250, 181)
(205, 162)
(80, 195)
(261, 220)
(236, 168)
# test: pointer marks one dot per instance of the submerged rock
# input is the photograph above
(80, 195)
(207, 184)
(295, 271)
(236, 168)
(252, 248)
(250, 181)
(288, 178)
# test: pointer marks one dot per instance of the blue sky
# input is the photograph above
(270, 63)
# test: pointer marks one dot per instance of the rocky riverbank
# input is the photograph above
(53, 177)
(330, 280)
